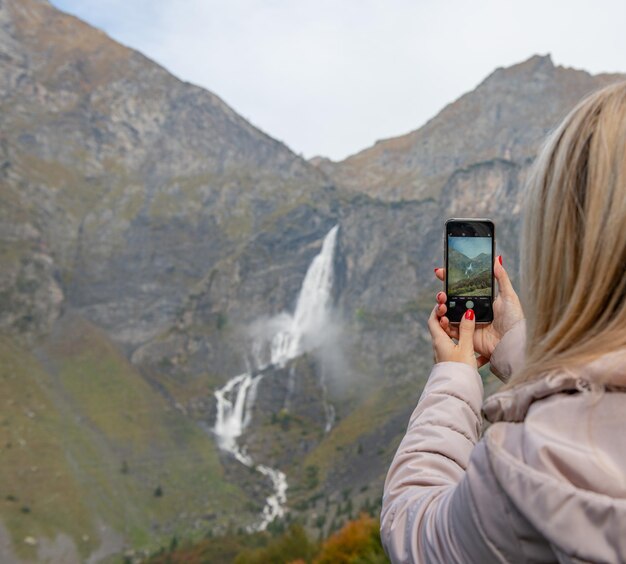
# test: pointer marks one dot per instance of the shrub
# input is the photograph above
(357, 542)
(311, 477)
(292, 546)
(221, 321)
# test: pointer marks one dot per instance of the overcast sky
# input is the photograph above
(471, 246)
(331, 77)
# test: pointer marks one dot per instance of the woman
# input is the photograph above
(547, 481)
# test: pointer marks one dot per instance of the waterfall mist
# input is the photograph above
(312, 325)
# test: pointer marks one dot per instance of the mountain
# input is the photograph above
(118, 187)
(505, 117)
(149, 235)
(457, 263)
(483, 259)
(121, 188)
(461, 261)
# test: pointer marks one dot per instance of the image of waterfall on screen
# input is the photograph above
(469, 266)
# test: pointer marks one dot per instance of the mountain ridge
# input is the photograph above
(92, 41)
(404, 167)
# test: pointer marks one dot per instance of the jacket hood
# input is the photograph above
(605, 373)
(567, 459)
(582, 524)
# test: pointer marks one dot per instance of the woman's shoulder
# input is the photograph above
(564, 468)
(552, 481)
(572, 437)
(564, 425)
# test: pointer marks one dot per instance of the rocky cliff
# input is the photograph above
(146, 232)
(127, 165)
(505, 117)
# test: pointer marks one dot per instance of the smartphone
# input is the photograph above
(469, 249)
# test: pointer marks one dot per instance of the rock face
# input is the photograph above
(145, 207)
(141, 181)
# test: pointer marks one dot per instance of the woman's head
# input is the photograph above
(574, 241)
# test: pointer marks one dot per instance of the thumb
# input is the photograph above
(466, 332)
(504, 282)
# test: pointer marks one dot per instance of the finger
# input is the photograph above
(440, 273)
(481, 360)
(441, 297)
(451, 330)
(442, 308)
(436, 332)
(466, 332)
(504, 282)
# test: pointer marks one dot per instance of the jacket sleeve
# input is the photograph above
(428, 512)
(508, 356)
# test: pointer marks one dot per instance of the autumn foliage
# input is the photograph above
(357, 542)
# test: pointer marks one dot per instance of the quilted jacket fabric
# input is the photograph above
(546, 482)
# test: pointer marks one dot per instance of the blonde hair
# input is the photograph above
(573, 265)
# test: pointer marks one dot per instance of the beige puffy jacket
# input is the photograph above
(546, 482)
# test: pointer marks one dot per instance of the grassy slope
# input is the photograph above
(373, 413)
(379, 405)
(84, 440)
(477, 285)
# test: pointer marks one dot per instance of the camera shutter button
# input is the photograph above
(469, 304)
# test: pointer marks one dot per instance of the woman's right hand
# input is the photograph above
(507, 311)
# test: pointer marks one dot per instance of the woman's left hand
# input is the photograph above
(446, 350)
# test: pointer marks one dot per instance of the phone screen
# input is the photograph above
(470, 248)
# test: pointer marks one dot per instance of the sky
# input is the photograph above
(331, 77)
(471, 246)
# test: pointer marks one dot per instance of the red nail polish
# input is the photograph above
(469, 314)
(500, 258)
(439, 294)
(436, 269)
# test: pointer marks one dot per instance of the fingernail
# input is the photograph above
(439, 294)
(436, 269)
(500, 258)
(469, 314)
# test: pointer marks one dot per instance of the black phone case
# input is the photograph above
(453, 314)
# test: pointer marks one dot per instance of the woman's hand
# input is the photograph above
(507, 311)
(445, 349)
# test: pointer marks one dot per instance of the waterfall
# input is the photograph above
(231, 415)
(290, 336)
(300, 332)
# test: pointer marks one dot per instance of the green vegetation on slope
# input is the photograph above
(85, 441)
(478, 284)
(372, 414)
(39, 496)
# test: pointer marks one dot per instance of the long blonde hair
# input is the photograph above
(573, 265)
